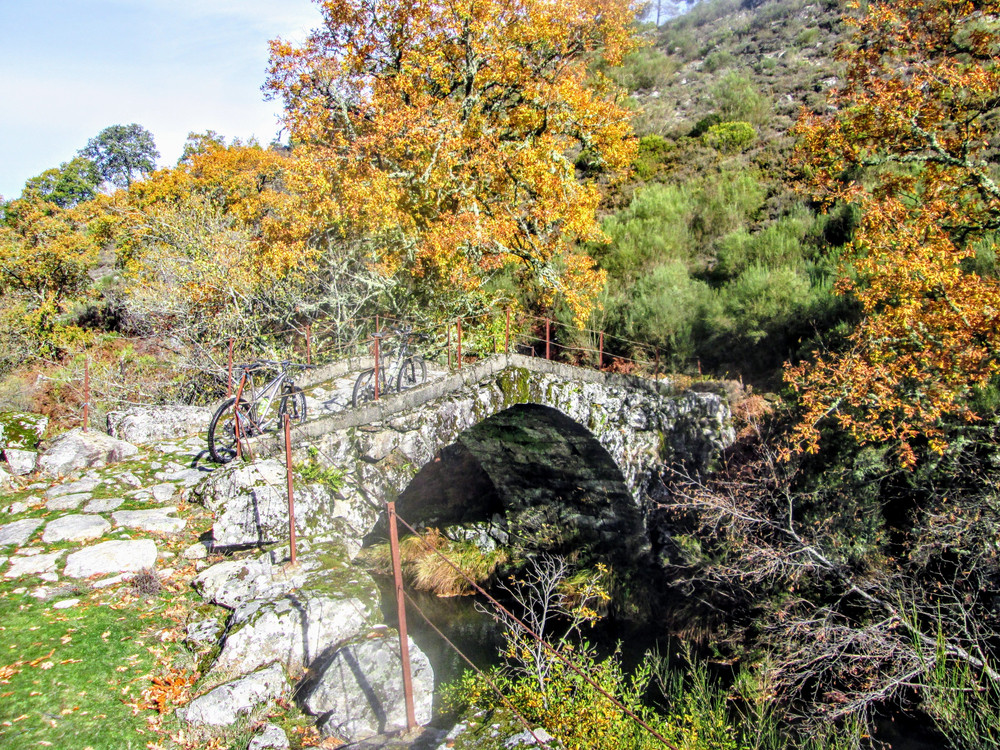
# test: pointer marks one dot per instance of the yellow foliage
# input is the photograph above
(912, 128)
(443, 133)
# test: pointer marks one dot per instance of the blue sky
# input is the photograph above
(70, 68)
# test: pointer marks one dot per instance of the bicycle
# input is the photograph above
(406, 370)
(253, 416)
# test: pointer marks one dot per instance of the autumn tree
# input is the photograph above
(441, 137)
(912, 141)
(46, 253)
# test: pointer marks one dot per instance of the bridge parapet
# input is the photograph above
(642, 423)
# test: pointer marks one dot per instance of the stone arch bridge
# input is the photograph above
(522, 441)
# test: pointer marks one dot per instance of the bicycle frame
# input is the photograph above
(387, 375)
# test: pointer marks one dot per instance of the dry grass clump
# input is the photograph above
(433, 562)
(146, 583)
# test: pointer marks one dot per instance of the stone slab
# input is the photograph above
(75, 528)
(126, 556)
(68, 502)
(158, 520)
(18, 532)
(33, 566)
(103, 505)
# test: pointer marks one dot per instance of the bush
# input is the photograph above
(730, 137)
(667, 309)
(737, 99)
(652, 156)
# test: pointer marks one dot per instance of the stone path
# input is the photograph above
(118, 518)
(110, 521)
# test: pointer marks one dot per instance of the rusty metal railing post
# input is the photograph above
(459, 330)
(600, 351)
(237, 428)
(309, 344)
(404, 646)
(377, 339)
(291, 498)
(448, 345)
(548, 339)
(506, 343)
(229, 371)
(86, 394)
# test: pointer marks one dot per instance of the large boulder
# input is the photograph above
(360, 690)
(20, 462)
(250, 503)
(21, 430)
(222, 706)
(77, 449)
(151, 424)
(234, 582)
(301, 626)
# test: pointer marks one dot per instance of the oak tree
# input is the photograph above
(911, 140)
(122, 153)
(442, 136)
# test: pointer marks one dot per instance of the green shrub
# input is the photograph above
(730, 137)
(737, 99)
(652, 156)
(761, 300)
(701, 127)
(667, 309)
(654, 228)
(648, 68)
(718, 60)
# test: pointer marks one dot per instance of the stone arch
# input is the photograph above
(530, 477)
(640, 424)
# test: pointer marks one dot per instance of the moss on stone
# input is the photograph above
(19, 430)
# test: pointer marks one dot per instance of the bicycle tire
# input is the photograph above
(364, 387)
(412, 373)
(293, 403)
(222, 430)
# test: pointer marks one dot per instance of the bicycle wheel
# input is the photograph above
(413, 372)
(364, 387)
(222, 430)
(293, 403)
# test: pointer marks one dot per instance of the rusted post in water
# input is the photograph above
(229, 371)
(291, 499)
(459, 330)
(404, 646)
(86, 393)
(548, 339)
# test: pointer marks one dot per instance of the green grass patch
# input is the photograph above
(74, 677)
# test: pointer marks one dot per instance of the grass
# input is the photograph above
(76, 677)
(425, 568)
